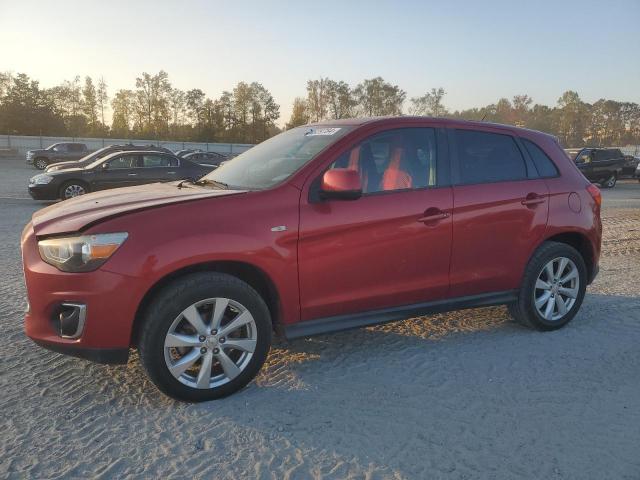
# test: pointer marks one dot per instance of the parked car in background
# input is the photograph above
(184, 151)
(601, 165)
(637, 175)
(630, 165)
(322, 228)
(103, 152)
(58, 152)
(206, 158)
(119, 169)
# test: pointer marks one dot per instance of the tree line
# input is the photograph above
(154, 109)
(573, 121)
(248, 113)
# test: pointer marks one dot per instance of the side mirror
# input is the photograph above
(105, 166)
(341, 184)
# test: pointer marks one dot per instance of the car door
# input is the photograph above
(119, 171)
(76, 151)
(157, 167)
(499, 211)
(388, 248)
(60, 153)
(585, 161)
(600, 164)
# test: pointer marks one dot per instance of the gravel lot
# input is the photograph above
(461, 395)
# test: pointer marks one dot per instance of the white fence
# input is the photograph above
(24, 143)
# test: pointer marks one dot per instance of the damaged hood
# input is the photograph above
(75, 214)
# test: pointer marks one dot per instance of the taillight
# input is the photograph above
(595, 193)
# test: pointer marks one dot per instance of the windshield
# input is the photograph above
(97, 160)
(274, 160)
(94, 155)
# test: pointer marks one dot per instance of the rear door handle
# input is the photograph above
(171, 173)
(433, 215)
(532, 199)
(133, 174)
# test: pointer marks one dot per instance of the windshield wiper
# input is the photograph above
(182, 182)
(216, 183)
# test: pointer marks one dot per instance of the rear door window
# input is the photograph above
(129, 161)
(544, 165)
(600, 155)
(150, 161)
(485, 157)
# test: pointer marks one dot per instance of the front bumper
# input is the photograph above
(111, 301)
(110, 356)
(43, 192)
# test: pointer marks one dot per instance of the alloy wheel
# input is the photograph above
(611, 181)
(74, 190)
(210, 343)
(556, 288)
(41, 164)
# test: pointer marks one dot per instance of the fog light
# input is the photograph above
(70, 319)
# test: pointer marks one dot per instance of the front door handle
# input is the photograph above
(133, 174)
(433, 215)
(532, 200)
(171, 173)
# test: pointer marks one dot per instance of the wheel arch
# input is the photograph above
(249, 273)
(581, 243)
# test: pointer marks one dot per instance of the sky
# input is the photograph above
(478, 51)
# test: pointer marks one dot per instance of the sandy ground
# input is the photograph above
(462, 395)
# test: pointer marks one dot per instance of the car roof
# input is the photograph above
(137, 152)
(449, 122)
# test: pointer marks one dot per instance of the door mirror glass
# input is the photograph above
(341, 184)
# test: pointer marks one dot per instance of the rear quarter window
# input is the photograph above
(544, 165)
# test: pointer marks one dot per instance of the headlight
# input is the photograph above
(41, 179)
(80, 254)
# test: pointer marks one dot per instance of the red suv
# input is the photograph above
(322, 228)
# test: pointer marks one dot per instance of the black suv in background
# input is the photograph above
(601, 165)
(58, 152)
(103, 152)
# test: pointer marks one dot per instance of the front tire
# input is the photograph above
(553, 287)
(40, 163)
(73, 189)
(204, 336)
(610, 182)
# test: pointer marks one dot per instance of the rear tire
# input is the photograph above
(610, 182)
(553, 288)
(194, 321)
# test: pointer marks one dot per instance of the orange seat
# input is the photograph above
(395, 177)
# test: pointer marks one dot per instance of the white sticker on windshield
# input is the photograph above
(321, 131)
